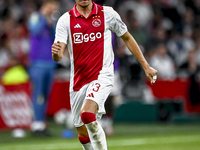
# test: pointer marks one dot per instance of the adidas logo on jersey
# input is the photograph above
(77, 26)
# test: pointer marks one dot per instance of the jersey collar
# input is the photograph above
(94, 11)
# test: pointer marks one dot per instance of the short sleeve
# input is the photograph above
(116, 24)
(61, 29)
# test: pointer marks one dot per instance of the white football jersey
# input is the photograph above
(89, 43)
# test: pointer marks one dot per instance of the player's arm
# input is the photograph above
(58, 50)
(135, 50)
(61, 37)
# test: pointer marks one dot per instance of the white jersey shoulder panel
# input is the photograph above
(114, 20)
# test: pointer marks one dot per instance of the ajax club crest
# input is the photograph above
(96, 22)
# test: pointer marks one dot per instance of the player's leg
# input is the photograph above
(38, 100)
(95, 131)
(76, 101)
(48, 83)
(84, 138)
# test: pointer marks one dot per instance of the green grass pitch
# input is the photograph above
(127, 137)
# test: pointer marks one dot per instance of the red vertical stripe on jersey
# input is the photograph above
(88, 46)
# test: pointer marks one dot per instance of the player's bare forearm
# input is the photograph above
(57, 51)
(135, 50)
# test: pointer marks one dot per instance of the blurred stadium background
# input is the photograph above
(163, 116)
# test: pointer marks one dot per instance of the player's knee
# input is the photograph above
(88, 117)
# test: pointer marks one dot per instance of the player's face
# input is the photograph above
(83, 3)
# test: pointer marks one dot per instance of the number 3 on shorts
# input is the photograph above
(94, 88)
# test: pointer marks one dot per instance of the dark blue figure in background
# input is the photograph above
(42, 30)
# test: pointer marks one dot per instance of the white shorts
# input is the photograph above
(97, 91)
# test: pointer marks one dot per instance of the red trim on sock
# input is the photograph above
(88, 117)
(84, 140)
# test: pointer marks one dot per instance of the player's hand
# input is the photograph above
(56, 48)
(151, 73)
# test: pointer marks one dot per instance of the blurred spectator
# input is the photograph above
(194, 90)
(194, 5)
(163, 63)
(188, 22)
(42, 31)
(191, 70)
(159, 22)
(143, 11)
(179, 46)
(135, 29)
(180, 43)
(197, 41)
(190, 66)
(130, 72)
(20, 44)
(5, 53)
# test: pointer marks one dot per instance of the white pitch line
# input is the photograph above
(127, 142)
(110, 144)
(114, 143)
(131, 142)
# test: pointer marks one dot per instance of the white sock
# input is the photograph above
(38, 125)
(97, 136)
(87, 146)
